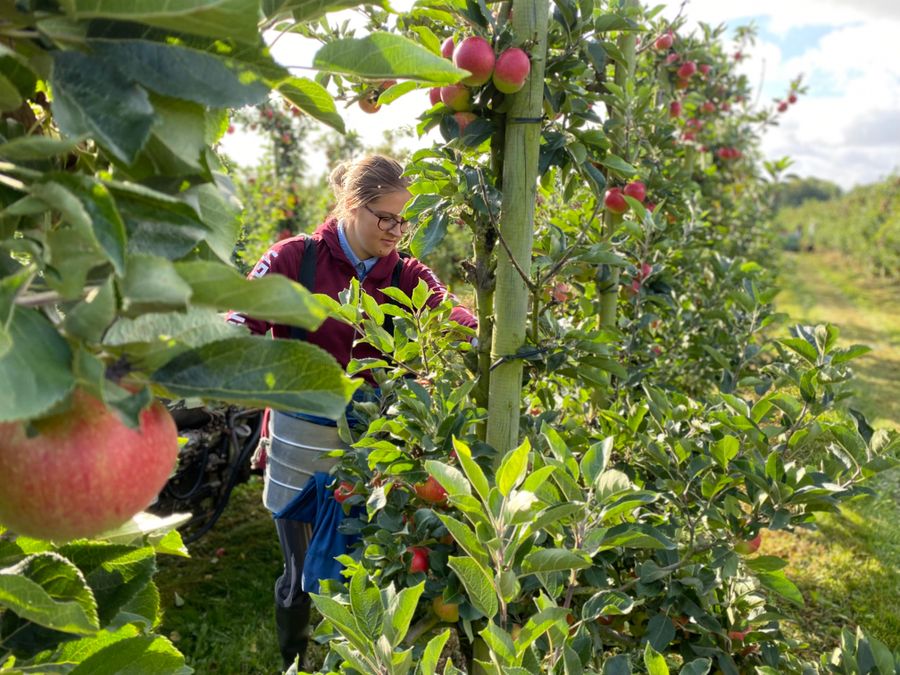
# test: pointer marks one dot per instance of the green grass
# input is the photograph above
(849, 570)
(225, 621)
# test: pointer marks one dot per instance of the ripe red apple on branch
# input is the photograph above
(85, 471)
(476, 55)
(749, 546)
(665, 41)
(457, 97)
(463, 120)
(431, 491)
(636, 190)
(419, 561)
(447, 48)
(614, 201)
(511, 70)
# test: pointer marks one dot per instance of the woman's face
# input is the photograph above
(365, 237)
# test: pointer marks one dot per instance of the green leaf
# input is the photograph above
(183, 73)
(115, 573)
(725, 449)
(38, 362)
(513, 468)
(618, 165)
(10, 98)
(696, 667)
(92, 98)
(432, 653)
(451, 479)
(306, 10)
(840, 356)
(257, 371)
(385, 55)
(612, 482)
(780, 584)
(660, 632)
(478, 584)
(73, 253)
(151, 340)
(400, 612)
(472, 470)
(341, 618)
(636, 535)
(313, 99)
(152, 283)
(465, 537)
(365, 601)
(220, 211)
(655, 662)
(141, 654)
(50, 591)
(429, 234)
(538, 624)
(801, 347)
(218, 19)
(178, 139)
(554, 560)
(29, 148)
(500, 642)
(617, 665)
(607, 603)
(273, 298)
(593, 464)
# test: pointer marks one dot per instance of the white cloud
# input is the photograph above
(847, 124)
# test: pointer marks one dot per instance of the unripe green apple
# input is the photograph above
(476, 55)
(85, 471)
(445, 611)
(511, 70)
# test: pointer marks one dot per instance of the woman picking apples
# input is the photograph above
(359, 239)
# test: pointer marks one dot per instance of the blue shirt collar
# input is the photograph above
(362, 267)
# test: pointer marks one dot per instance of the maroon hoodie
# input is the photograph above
(333, 275)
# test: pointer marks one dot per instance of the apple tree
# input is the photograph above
(117, 227)
(627, 428)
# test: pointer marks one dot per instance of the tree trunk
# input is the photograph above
(520, 160)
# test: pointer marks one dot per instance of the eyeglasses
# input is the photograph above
(392, 221)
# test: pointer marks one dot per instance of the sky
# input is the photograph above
(845, 129)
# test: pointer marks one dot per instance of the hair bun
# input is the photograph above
(338, 178)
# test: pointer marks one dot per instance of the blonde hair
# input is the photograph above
(357, 183)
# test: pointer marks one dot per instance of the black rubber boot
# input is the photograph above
(292, 626)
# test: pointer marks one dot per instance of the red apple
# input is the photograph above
(560, 291)
(746, 547)
(343, 491)
(445, 611)
(708, 107)
(665, 41)
(782, 106)
(675, 109)
(614, 201)
(792, 98)
(419, 561)
(705, 68)
(457, 97)
(687, 70)
(84, 471)
(464, 119)
(737, 635)
(434, 95)
(369, 101)
(511, 70)
(636, 190)
(447, 48)
(672, 58)
(431, 491)
(476, 55)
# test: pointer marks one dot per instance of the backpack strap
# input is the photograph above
(395, 282)
(306, 275)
